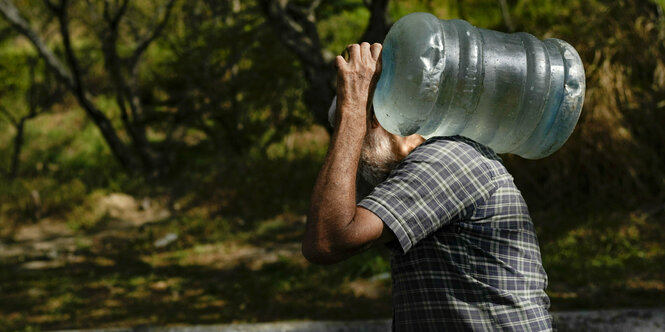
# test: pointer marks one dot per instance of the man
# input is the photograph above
(465, 253)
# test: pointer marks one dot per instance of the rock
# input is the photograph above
(165, 240)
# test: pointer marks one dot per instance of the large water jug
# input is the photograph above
(511, 92)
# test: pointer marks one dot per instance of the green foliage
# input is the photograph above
(87, 215)
(227, 76)
(15, 73)
(481, 13)
(341, 23)
(32, 199)
(613, 150)
(604, 260)
(661, 4)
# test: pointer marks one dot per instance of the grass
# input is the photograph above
(605, 260)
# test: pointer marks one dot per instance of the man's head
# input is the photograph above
(381, 150)
(377, 156)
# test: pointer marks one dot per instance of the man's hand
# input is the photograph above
(337, 228)
(356, 81)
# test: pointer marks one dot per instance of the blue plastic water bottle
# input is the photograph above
(511, 92)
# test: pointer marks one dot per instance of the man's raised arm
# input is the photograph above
(336, 228)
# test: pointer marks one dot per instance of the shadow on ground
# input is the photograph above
(121, 279)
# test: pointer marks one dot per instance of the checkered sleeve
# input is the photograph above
(440, 182)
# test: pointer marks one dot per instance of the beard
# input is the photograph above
(377, 158)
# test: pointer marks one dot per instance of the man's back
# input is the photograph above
(466, 255)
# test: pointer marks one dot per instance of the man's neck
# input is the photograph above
(406, 144)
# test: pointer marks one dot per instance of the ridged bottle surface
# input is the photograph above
(511, 92)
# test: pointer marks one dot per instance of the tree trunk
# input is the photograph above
(18, 145)
(379, 23)
(460, 10)
(506, 15)
(296, 28)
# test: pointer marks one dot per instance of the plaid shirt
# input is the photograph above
(467, 256)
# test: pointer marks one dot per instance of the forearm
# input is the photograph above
(333, 202)
(332, 232)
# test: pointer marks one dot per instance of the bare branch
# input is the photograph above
(379, 23)
(506, 15)
(126, 94)
(12, 15)
(71, 77)
(460, 10)
(113, 66)
(74, 65)
(18, 144)
(52, 6)
(114, 20)
(116, 145)
(143, 44)
(113, 62)
(120, 12)
(296, 27)
(106, 12)
(9, 116)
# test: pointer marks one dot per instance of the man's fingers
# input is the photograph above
(375, 49)
(354, 52)
(339, 61)
(362, 51)
(365, 52)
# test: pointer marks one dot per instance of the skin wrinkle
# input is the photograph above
(336, 227)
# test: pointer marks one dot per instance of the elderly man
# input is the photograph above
(465, 253)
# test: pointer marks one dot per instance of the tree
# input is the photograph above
(505, 14)
(295, 25)
(227, 82)
(40, 96)
(224, 87)
(137, 155)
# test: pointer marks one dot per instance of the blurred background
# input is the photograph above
(157, 157)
